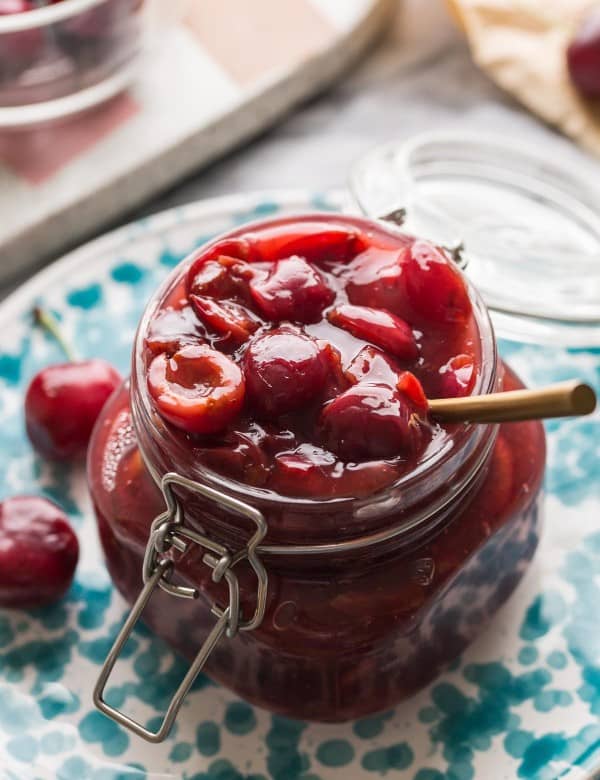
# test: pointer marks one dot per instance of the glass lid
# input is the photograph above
(527, 229)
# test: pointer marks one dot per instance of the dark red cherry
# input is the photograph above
(62, 404)
(216, 273)
(371, 421)
(284, 371)
(457, 377)
(38, 552)
(198, 389)
(293, 290)
(378, 326)
(583, 55)
(171, 329)
(226, 318)
(435, 290)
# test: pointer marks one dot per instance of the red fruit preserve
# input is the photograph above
(344, 546)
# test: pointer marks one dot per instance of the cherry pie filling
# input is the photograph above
(294, 360)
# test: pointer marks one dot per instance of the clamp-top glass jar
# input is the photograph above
(344, 546)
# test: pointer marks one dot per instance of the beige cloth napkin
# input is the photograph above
(522, 46)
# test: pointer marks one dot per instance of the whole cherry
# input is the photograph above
(64, 400)
(583, 55)
(285, 369)
(38, 552)
(372, 421)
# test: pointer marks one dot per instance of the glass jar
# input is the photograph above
(347, 605)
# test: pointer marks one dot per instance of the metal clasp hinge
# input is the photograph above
(169, 532)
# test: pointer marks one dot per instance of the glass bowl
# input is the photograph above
(61, 59)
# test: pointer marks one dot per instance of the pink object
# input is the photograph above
(250, 40)
(37, 155)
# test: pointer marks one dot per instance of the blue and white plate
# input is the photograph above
(523, 702)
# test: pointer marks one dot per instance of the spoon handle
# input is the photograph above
(566, 399)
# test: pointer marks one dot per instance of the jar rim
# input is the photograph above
(144, 420)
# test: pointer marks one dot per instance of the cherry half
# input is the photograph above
(38, 552)
(198, 389)
(435, 291)
(220, 272)
(380, 327)
(226, 318)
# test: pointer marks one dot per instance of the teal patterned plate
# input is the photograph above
(523, 701)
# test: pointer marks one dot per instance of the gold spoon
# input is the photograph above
(566, 399)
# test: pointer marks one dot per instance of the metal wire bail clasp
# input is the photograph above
(168, 532)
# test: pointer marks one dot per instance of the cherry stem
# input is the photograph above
(49, 323)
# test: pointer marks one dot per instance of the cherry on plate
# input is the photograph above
(294, 290)
(38, 552)
(435, 290)
(62, 404)
(370, 421)
(583, 55)
(380, 327)
(284, 371)
(198, 389)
